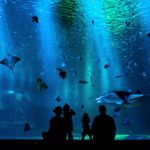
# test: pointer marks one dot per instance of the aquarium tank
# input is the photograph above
(80, 52)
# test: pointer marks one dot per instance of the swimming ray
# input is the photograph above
(10, 61)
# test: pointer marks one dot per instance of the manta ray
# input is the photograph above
(10, 61)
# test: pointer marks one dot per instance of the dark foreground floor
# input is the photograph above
(77, 144)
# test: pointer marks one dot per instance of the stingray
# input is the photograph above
(119, 97)
(10, 61)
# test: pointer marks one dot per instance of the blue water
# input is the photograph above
(66, 37)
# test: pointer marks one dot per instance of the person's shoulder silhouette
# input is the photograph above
(103, 127)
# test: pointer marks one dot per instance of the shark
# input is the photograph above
(120, 97)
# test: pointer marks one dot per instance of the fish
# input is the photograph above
(39, 80)
(35, 19)
(119, 97)
(59, 69)
(63, 74)
(27, 127)
(82, 106)
(148, 34)
(83, 81)
(58, 99)
(41, 85)
(122, 75)
(119, 76)
(93, 22)
(127, 23)
(117, 109)
(10, 61)
(117, 112)
(106, 66)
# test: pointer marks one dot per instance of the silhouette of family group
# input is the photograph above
(103, 128)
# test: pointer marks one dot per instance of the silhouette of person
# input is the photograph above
(68, 113)
(56, 132)
(103, 127)
(86, 126)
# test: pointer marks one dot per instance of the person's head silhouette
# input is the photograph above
(66, 107)
(102, 109)
(58, 111)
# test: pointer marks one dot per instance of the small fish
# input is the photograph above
(83, 82)
(106, 66)
(122, 75)
(117, 109)
(41, 85)
(58, 99)
(132, 14)
(93, 22)
(59, 69)
(27, 127)
(117, 112)
(82, 106)
(127, 23)
(148, 34)
(63, 74)
(39, 80)
(118, 76)
(35, 19)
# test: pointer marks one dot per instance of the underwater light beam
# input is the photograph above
(46, 34)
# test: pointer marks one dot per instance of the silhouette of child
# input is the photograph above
(68, 113)
(86, 127)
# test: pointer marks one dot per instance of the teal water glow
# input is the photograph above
(65, 37)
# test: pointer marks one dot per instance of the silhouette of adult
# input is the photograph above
(56, 132)
(68, 113)
(103, 127)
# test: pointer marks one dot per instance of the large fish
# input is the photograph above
(119, 97)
